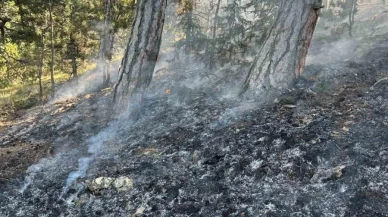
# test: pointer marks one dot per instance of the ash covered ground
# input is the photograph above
(319, 150)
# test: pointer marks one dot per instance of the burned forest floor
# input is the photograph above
(320, 149)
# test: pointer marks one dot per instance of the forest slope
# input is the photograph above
(319, 150)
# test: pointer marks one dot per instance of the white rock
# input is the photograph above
(123, 184)
(139, 210)
(99, 183)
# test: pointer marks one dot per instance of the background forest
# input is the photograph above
(44, 43)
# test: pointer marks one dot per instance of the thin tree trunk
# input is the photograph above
(41, 65)
(105, 52)
(327, 4)
(74, 64)
(74, 68)
(52, 49)
(215, 22)
(282, 56)
(189, 30)
(111, 44)
(351, 16)
(142, 51)
(213, 45)
(73, 47)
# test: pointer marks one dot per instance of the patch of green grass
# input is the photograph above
(23, 95)
(20, 96)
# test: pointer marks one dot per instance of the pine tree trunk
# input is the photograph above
(141, 53)
(282, 57)
(327, 4)
(351, 16)
(74, 64)
(41, 65)
(215, 21)
(109, 61)
(74, 68)
(189, 31)
(105, 52)
(52, 50)
(213, 43)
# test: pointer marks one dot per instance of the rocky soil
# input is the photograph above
(319, 150)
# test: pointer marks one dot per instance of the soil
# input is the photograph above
(320, 149)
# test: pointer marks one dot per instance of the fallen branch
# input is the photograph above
(383, 79)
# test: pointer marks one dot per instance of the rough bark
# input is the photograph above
(141, 52)
(282, 57)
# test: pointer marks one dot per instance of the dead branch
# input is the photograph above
(383, 79)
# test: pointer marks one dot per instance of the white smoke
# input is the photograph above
(342, 50)
(89, 82)
(95, 148)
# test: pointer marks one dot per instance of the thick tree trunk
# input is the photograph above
(142, 52)
(282, 56)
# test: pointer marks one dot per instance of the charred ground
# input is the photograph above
(319, 150)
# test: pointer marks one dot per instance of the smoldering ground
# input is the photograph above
(196, 151)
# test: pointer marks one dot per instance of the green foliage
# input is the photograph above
(77, 29)
(228, 34)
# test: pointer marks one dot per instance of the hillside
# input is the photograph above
(318, 150)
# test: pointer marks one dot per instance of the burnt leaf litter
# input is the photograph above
(319, 150)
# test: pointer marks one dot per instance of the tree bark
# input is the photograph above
(141, 52)
(282, 57)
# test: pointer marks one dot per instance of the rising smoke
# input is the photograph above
(177, 81)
